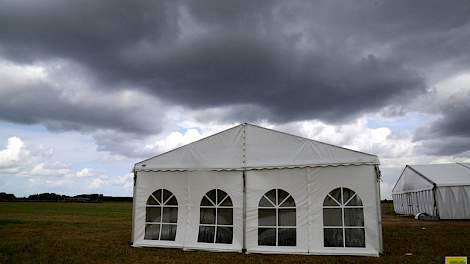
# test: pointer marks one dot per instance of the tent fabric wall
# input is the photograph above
(362, 180)
(189, 187)
(412, 203)
(308, 187)
(294, 181)
(453, 202)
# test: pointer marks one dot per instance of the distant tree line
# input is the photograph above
(60, 197)
(6, 196)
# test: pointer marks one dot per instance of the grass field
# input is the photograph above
(99, 233)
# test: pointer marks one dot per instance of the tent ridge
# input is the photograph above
(463, 165)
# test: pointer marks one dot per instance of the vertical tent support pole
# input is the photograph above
(379, 208)
(133, 207)
(244, 212)
(436, 211)
(244, 185)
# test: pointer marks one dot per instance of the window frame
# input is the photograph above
(161, 206)
(343, 206)
(277, 206)
(216, 206)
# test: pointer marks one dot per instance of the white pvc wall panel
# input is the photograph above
(309, 187)
(294, 181)
(412, 203)
(189, 187)
(453, 202)
(146, 184)
(362, 180)
(199, 183)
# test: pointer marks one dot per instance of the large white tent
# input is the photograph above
(441, 190)
(254, 189)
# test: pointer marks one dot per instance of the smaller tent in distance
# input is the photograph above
(440, 190)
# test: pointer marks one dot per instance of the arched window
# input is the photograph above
(161, 216)
(343, 219)
(216, 218)
(276, 219)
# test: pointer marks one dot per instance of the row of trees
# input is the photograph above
(60, 197)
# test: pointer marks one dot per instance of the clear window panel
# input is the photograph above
(347, 194)
(266, 236)
(206, 202)
(281, 194)
(207, 216)
(152, 231)
(355, 237)
(286, 217)
(152, 201)
(264, 202)
(333, 237)
(271, 195)
(227, 202)
(170, 215)
(153, 214)
(353, 217)
(267, 217)
(288, 203)
(330, 202)
(355, 201)
(220, 196)
(166, 195)
(158, 195)
(225, 216)
(224, 235)
(332, 217)
(212, 195)
(172, 201)
(286, 236)
(336, 194)
(206, 234)
(168, 232)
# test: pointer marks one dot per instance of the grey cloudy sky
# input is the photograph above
(132, 79)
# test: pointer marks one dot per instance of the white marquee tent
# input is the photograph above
(254, 189)
(441, 190)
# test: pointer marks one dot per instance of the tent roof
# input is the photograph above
(253, 147)
(445, 174)
(422, 177)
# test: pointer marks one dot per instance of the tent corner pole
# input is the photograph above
(133, 206)
(436, 210)
(244, 212)
(379, 208)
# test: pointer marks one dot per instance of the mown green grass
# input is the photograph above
(99, 233)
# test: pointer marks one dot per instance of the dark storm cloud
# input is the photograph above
(295, 60)
(450, 134)
(41, 103)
